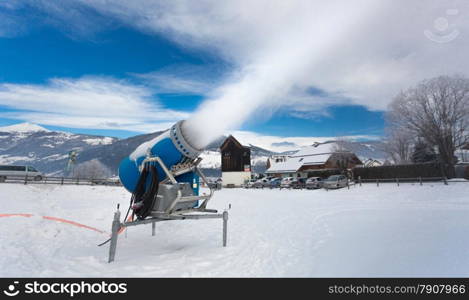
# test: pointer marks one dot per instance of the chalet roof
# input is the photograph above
(309, 156)
(291, 165)
(326, 148)
(235, 141)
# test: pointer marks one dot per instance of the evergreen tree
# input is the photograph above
(423, 153)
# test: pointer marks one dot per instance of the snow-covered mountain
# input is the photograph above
(31, 144)
(23, 127)
(367, 149)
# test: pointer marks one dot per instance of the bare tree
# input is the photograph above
(399, 144)
(341, 144)
(342, 155)
(92, 169)
(438, 111)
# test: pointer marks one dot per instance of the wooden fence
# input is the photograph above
(409, 171)
(419, 180)
(61, 180)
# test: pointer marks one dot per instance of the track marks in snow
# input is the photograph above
(270, 233)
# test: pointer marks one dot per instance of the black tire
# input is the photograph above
(3, 178)
(37, 178)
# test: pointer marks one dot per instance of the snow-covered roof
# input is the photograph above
(291, 165)
(308, 156)
(23, 127)
(371, 162)
(326, 148)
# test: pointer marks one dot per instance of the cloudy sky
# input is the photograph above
(265, 69)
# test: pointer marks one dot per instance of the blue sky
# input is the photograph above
(125, 68)
(44, 53)
(120, 52)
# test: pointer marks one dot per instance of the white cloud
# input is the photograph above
(287, 143)
(371, 59)
(360, 52)
(10, 24)
(70, 17)
(89, 102)
(173, 84)
(182, 79)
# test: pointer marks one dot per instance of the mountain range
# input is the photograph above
(31, 144)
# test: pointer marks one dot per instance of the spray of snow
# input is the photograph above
(265, 82)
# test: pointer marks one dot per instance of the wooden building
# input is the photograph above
(235, 162)
(315, 160)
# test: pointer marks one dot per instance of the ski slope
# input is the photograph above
(409, 230)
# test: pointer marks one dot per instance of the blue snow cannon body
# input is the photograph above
(172, 147)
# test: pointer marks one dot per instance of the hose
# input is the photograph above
(145, 198)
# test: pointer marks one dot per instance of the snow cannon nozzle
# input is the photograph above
(182, 141)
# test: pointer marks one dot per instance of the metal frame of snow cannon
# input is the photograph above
(170, 214)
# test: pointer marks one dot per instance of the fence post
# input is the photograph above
(377, 182)
(78, 180)
(62, 181)
(114, 233)
(360, 180)
(397, 180)
(445, 180)
(26, 179)
(420, 179)
(225, 227)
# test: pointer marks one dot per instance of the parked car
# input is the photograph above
(261, 183)
(314, 183)
(285, 183)
(215, 184)
(19, 171)
(275, 182)
(298, 183)
(249, 184)
(335, 182)
(99, 181)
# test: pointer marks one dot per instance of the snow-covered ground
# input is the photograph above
(409, 230)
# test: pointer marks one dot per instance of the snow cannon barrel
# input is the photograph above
(172, 147)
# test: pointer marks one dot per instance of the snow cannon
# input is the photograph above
(162, 175)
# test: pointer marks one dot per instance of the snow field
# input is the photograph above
(409, 230)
